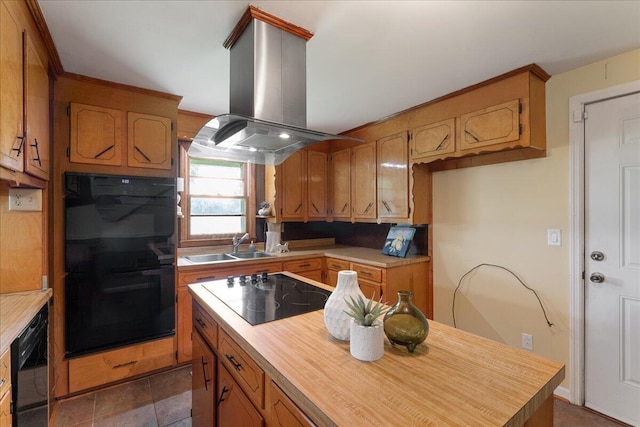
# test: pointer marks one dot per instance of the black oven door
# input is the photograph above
(112, 310)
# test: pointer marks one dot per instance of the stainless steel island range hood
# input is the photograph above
(268, 99)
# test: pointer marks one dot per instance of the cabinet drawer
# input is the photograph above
(109, 366)
(282, 411)
(204, 323)
(303, 265)
(5, 372)
(248, 374)
(367, 272)
(337, 264)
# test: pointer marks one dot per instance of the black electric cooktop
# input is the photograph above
(261, 298)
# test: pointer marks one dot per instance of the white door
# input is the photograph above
(612, 257)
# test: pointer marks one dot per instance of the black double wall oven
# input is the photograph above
(119, 259)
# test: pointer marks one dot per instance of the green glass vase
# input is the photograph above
(404, 323)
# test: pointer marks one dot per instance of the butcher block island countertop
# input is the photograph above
(454, 378)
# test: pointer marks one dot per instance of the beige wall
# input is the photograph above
(500, 214)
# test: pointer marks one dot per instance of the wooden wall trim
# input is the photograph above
(122, 86)
(532, 68)
(253, 12)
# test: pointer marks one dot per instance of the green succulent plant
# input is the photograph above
(365, 312)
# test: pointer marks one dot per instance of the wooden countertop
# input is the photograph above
(348, 253)
(453, 378)
(16, 311)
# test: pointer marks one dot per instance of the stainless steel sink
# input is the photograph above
(250, 255)
(210, 258)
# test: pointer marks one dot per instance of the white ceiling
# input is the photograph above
(366, 60)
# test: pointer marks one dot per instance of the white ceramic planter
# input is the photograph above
(367, 342)
(335, 318)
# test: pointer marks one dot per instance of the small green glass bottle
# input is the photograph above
(404, 323)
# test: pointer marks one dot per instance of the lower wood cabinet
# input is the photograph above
(114, 365)
(234, 407)
(203, 380)
(282, 411)
(308, 267)
(229, 388)
(5, 389)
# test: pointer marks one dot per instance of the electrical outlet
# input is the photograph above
(25, 199)
(527, 341)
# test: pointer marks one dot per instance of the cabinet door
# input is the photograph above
(317, 165)
(363, 181)
(393, 176)
(203, 383)
(184, 325)
(96, 135)
(37, 113)
(490, 126)
(294, 187)
(11, 91)
(5, 409)
(149, 141)
(234, 407)
(433, 140)
(341, 184)
(282, 411)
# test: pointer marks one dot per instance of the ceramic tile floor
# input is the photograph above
(164, 400)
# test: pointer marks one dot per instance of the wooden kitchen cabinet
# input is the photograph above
(96, 135)
(243, 368)
(370, 278)
(341, 185)
(234, 407)
(184, 308)
(493, 125)
(203, 381)
(317, 185)
(11, 90)
(282, 411)
(363, 182)
(433, 141)
(294, 192)
(393, 177)
(386, 282)
(308, 267)
(24, 98)
(149, 141)
(37, 143)
(5, 389)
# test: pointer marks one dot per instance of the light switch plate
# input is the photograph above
(25, 199)
(554, 237)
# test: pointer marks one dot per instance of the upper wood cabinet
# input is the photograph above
(297, 189)
(96, 135)
(37, 112)
(96, 138)
(149, 141)
(393, 177)
(11, 90)
(293, 203)
(434, 140)
(490, 126)
(341, 184)
(363, 182)
(317, 188)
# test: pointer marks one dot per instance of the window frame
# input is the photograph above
(186, 240)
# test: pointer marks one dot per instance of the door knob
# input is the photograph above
(597, 277)
(596, 256)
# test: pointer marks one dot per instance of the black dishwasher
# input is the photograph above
(29, 373)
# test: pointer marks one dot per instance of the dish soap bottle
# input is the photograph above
(252, 247)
